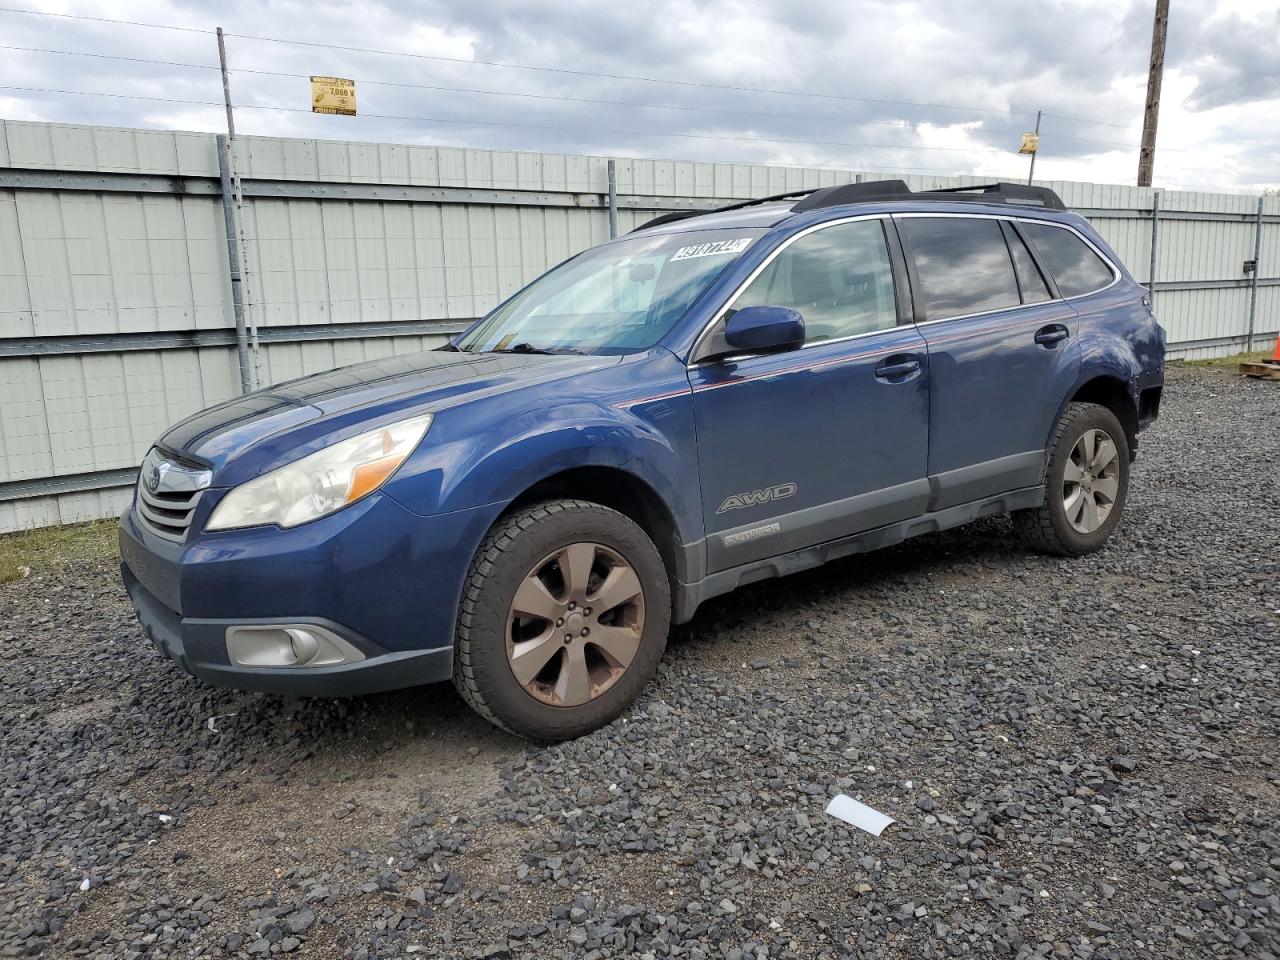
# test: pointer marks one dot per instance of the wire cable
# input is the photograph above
(1100, 123)
(126, 23)
(441, 88)
(524, 66)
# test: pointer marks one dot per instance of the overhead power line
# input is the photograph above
(1100, 123)
(126, 23)
(525, 66)
(441, 88)
(634, 77)
(444, 88)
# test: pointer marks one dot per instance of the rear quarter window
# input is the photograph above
(963, 265)
(1074, 265)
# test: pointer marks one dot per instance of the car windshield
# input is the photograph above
(618, 298)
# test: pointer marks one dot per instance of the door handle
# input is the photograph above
(1052, 334)
(895, 368)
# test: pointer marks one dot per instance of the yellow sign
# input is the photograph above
(1030, 142)
(333, 95)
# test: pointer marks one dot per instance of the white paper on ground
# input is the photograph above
(859, 814)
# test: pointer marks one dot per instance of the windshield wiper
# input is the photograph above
(526, 347)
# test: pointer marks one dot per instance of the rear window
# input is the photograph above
(1074, 265)
(963, 265)
(1030, 281)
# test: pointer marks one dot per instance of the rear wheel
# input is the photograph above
(1086, 484)
(564, 618)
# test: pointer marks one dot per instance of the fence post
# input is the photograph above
(1155, 246)
(233, 266)
(613, 199)
(1257, 268)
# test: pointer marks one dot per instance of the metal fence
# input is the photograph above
(116, 304)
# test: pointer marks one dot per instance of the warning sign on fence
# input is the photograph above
(333, 95)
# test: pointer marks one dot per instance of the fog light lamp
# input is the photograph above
(288, 645)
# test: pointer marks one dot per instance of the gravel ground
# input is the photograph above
(1082, 758)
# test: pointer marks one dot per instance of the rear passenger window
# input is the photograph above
(963, 265)
(1030, 280)
(1074, 265)
(837, 278)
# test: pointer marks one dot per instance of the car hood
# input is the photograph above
(425, 381)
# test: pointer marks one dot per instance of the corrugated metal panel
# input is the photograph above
(1270, 257)
(24, 425)
(1267, 326)
(1130, 238)
(64, 508)
(1191, 315)
(15, 292)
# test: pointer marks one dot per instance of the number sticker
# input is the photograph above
(713, 249)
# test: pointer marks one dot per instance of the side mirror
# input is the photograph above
(764, 329)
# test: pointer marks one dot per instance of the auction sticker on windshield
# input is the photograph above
(713, 249)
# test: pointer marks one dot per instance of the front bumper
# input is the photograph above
(380, 577)
(200, 648)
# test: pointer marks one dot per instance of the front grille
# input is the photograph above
(168, 514)
(167, 495)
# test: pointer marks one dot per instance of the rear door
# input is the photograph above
(1003, 352)
(813, 444)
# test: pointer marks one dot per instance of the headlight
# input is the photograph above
(323, 482)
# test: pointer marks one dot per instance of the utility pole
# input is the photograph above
(235, 227)
(233, 265)
(1032, 172)
(613, 200)
(1147, 153)
(226, 87)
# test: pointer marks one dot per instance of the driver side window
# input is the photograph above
(838, 278)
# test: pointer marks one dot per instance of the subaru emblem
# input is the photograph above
(155, 474)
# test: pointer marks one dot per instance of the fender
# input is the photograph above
(1117, 352)
(488, 454)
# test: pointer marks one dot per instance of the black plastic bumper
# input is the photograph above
(199, 647)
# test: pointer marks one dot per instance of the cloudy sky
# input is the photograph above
(941, 87)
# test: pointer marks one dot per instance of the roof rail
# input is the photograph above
(880, 191)
(1016, 194)
(1019, 194)
(675, 215)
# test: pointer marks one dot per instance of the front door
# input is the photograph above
(1003, 353)
(810, 445)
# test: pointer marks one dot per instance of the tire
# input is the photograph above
(1056, 527)
(547, 542)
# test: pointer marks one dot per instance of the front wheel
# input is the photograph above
(1086, 484)
(563, 620)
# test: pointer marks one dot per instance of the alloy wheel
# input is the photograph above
(1091, 481)
(575, 624)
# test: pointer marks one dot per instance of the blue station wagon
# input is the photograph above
(716, 398)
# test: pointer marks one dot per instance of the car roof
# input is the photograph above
(776, 215)
(870, 196)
